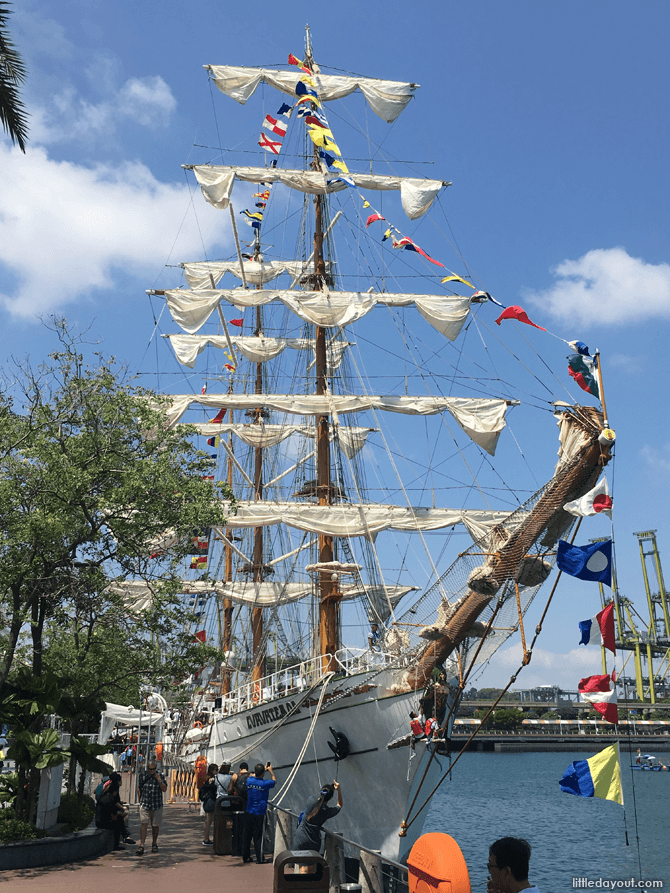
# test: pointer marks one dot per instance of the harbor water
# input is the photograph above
(493, 795)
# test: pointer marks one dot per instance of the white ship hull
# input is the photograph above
(378, 784)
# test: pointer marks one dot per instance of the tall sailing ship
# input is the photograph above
(361, 560)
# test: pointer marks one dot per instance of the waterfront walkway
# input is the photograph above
(181, 864)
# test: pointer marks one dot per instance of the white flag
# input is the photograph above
(595, 502)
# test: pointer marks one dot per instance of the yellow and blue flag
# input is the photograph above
(599, 776)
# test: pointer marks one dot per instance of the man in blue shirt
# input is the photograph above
(258, 791)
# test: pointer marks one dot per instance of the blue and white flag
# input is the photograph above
(592, 562)
(599, 630)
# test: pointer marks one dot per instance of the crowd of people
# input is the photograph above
(509, 857)
(253, 790)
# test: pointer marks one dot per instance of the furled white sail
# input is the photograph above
(351, 439)
(361, 520)
(138, 595)
(386, 98)
(256, 349)
(207, 274)
(191, 309)
(482, 419)
(216, 182)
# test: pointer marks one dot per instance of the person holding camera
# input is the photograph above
(258, 791)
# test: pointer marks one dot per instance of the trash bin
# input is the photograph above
(227, 833)
(316, 881)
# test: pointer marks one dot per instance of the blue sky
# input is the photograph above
(550, 119)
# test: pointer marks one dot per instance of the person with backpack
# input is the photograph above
(240, 781)
(207, 797)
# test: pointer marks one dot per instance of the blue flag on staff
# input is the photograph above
(592, 562)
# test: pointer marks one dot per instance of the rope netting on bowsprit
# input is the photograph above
(499, 576)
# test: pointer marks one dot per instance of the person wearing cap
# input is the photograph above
(316, 812)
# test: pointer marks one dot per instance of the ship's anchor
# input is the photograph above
(341, 746)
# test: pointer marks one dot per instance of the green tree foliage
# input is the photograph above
(91, 483)
(13, 116)
(93, 486)
(508, 718)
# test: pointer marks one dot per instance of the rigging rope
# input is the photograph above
(406, 822)
(287, 784)
(281, 722)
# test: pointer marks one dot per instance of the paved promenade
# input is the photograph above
(181, 865)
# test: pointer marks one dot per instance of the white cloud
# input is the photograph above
(657, 458)
(607, 286)
(38, 37)
(545, 668)
(146, 101)
(65, 228)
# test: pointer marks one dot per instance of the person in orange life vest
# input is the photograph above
(416, 727)
(430, 727)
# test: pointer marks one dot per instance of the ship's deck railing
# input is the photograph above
(298, 678)
(375, 872)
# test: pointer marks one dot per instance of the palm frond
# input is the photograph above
(13, 114)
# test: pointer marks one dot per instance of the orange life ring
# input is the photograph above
(197, 725)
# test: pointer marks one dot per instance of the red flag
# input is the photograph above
(519, 314)
(597, 692)
(228, 366)
(372, 218)
(204, 388)
(276, 126)
(605, 620)
(201, 636)
(218, 418)
(293, 61)
(237, 322)
(407, 243)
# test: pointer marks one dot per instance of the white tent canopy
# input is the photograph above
(117, 714)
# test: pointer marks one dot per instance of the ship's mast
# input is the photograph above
(329, 598)
(227, 637)
(258, 670)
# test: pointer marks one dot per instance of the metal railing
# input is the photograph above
(301, 676)
(348, 861)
